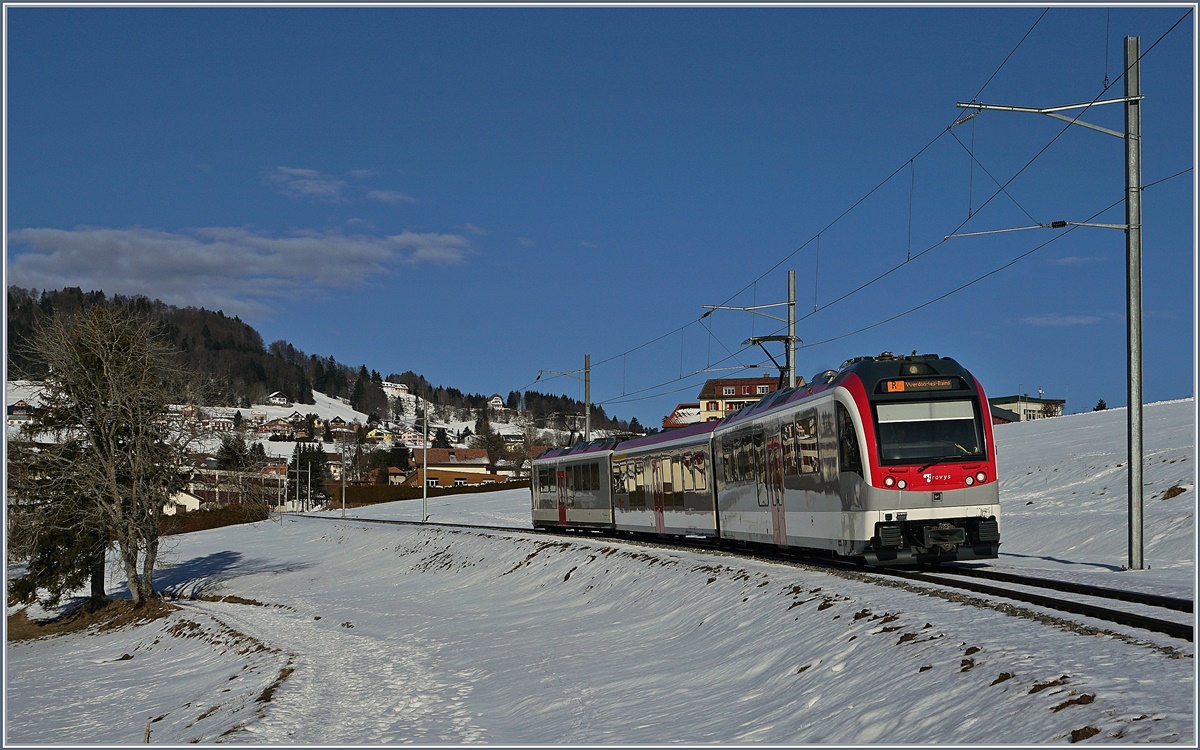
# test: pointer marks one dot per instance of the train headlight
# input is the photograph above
(889, 481)
(970, 481)
(981, 476)
(902, 484)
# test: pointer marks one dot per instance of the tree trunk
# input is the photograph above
(131, 576)
(98, 592)
(148, 561)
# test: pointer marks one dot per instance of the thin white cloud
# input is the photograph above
(316, 186)
(1055, 320)
(229, 268)
(390, 196)
(442, 249)
(1074, 260)
(306, 184)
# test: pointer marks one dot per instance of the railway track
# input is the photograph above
(1094, 602)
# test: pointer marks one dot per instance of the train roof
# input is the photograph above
(595, 446)
(870, 369)
(659, 438)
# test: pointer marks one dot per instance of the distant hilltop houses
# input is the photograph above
(343, 443)
(721, 397)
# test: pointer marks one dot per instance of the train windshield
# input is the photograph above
(928, 430)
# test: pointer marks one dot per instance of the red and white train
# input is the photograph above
(887, 460)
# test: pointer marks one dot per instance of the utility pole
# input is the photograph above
(587, 391)
(790, 339)
(1133, 289)
(425, 464)
(1133, 260)
(587, 398)
(343, 478)
(791, 334)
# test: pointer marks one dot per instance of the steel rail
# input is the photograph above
(1100, 592)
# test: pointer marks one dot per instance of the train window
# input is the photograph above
(701, 472)
(915, 431)
(677, 473)
(849, 456)
(760, 464)
(806, 442)
(594, 477)
(787, 435)
(640, 482)
(689, 477)
(668, 482)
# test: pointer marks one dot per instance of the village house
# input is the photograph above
(412, 437)
(682, 416)
(380, 435)
(721, 397)
(450, 478)
(279, 428)
(461, 460)
(181, 502)
(221, 424)
(19, 414)
(1029, 408)
(278, 399)
(394, 390)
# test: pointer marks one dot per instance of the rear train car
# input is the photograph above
(889, 459)
(572, 487)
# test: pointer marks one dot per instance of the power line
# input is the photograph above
(1002, 188)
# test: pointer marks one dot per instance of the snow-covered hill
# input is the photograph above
(349, 633)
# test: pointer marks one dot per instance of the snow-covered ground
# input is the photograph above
(351, 633)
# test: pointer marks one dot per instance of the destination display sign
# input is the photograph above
(916, 385)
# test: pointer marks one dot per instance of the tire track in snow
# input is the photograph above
(322, 700)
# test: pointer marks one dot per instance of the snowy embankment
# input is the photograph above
(348, 633)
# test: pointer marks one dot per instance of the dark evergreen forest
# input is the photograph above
(231, 355)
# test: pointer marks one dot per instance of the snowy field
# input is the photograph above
(357, 634)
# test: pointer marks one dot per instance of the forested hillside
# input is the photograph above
(231, 355)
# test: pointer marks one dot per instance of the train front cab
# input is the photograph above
(928, 481)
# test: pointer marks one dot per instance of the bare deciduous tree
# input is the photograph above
(110, 450)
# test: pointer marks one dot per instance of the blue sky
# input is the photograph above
(479, 194)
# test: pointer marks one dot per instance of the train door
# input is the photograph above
(561, 481)
(773, 482)
(656, 484)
